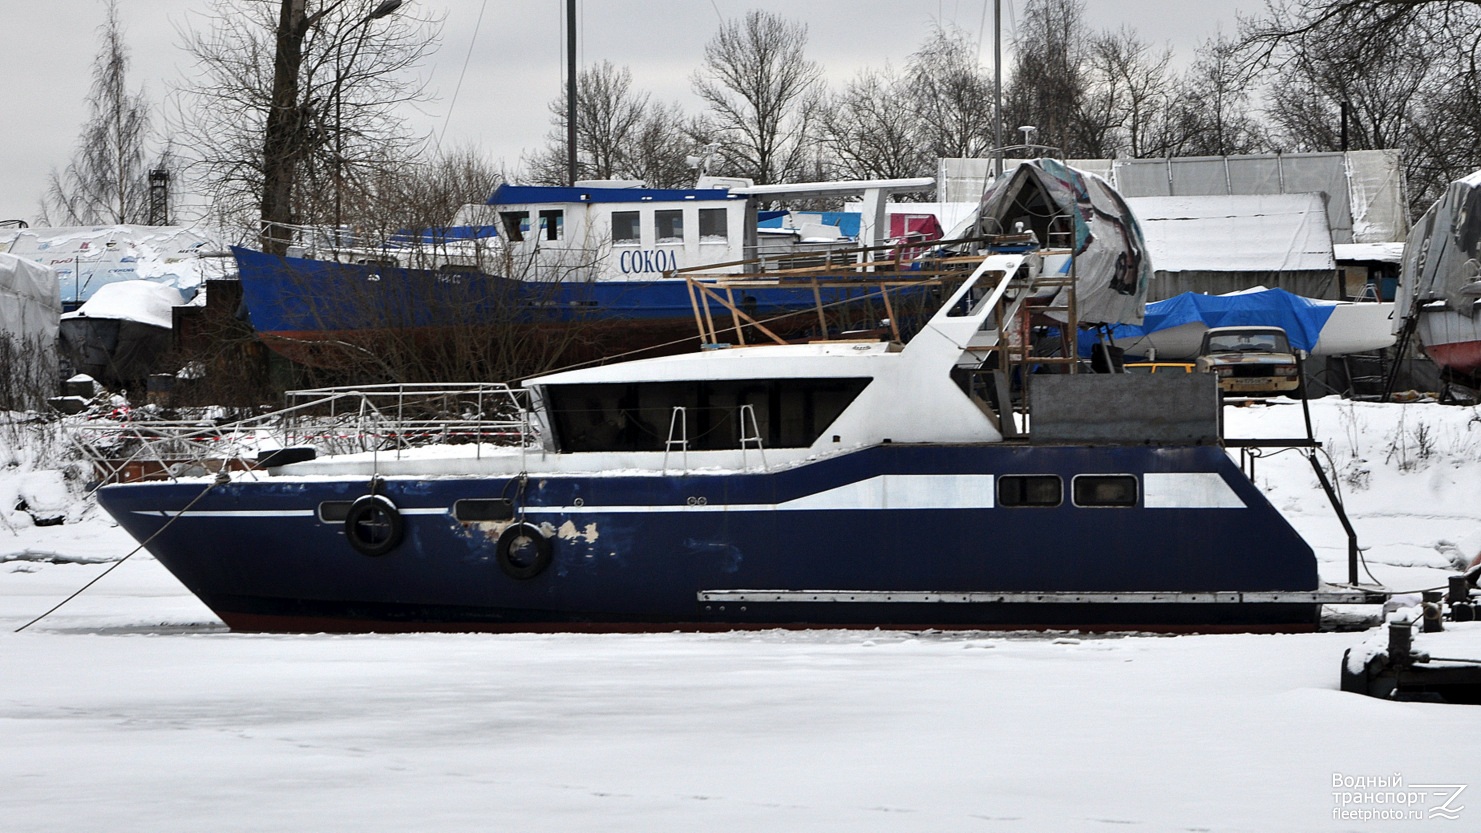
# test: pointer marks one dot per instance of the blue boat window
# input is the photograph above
(552, 224)
(669, 225)
(1105, 490)
(1030, 490)
(625, 227)
(788, 413)
(712, 225)
(516, 223)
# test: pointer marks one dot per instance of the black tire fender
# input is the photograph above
(374, 526)
(523, 552)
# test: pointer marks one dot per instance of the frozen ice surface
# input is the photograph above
(131, 708)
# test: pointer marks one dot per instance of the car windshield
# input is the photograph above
(1251, 342)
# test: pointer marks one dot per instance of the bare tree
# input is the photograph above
(951, 95)
(870, 130)
(620, 134)
(1212, 115)
(105, 182)
(295, 102)
(1133, 90)
(1406, 72)
(1050, 80)
(1307, 25)
(761, 93)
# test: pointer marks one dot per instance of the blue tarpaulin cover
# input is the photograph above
(1301, 318)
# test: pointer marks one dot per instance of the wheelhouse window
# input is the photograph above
(783, 413)
(515, 223)
(1044, 490)
(552, 224)
(668, 225)
(712, 225)
(625, 228)
(1118, 490)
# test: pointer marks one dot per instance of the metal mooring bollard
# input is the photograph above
(1461, 609)
(1400, 641)
(1433, 614)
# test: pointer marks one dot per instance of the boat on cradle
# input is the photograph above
(1173, 329)
(600, 257)
(1440, 284)
(831, 484)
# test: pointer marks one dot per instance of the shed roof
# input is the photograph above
(1236, 233)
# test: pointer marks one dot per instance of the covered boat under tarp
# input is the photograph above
(1173, 329)
(1440, 285)
(122, 331)
(1064, 206)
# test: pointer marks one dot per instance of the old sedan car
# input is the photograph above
(1250, 361)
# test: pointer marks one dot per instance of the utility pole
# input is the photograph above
(571, 93)
(997, 88)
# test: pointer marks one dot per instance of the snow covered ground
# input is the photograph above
(132, 709)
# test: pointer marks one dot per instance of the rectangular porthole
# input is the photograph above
(483, 509)
(334, 511)
(1045, 490)
(1114, 490)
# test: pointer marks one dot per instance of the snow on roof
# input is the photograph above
(143, 301)
(1240, 233)
(1380, 252)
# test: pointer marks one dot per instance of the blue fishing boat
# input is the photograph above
(605, 257)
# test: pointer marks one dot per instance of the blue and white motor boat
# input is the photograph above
(830, 484)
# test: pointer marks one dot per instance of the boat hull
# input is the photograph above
(1451, 340)
(326, 314)
(896, 536)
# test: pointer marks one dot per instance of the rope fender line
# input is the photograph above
(221, 478)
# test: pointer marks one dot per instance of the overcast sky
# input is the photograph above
(516, 58)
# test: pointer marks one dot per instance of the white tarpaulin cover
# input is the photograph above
(86, 258)
(1112, 268)
(29, 304)
(141, 301)
(1247, 233)
(1442, 258)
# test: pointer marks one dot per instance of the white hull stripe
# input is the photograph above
(268, 513)
(1180, 490)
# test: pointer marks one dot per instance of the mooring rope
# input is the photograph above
(221, 478)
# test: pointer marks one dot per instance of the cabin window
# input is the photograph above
(625, 227)
(712, 225)
(669, 225)
(483, 509)
(1105, 490)
(516, 223)
(1030, 490)
(789, 413)
(552, 224)
(334, 511)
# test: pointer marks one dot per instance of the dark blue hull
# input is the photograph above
(297, 301)
(662, 552)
